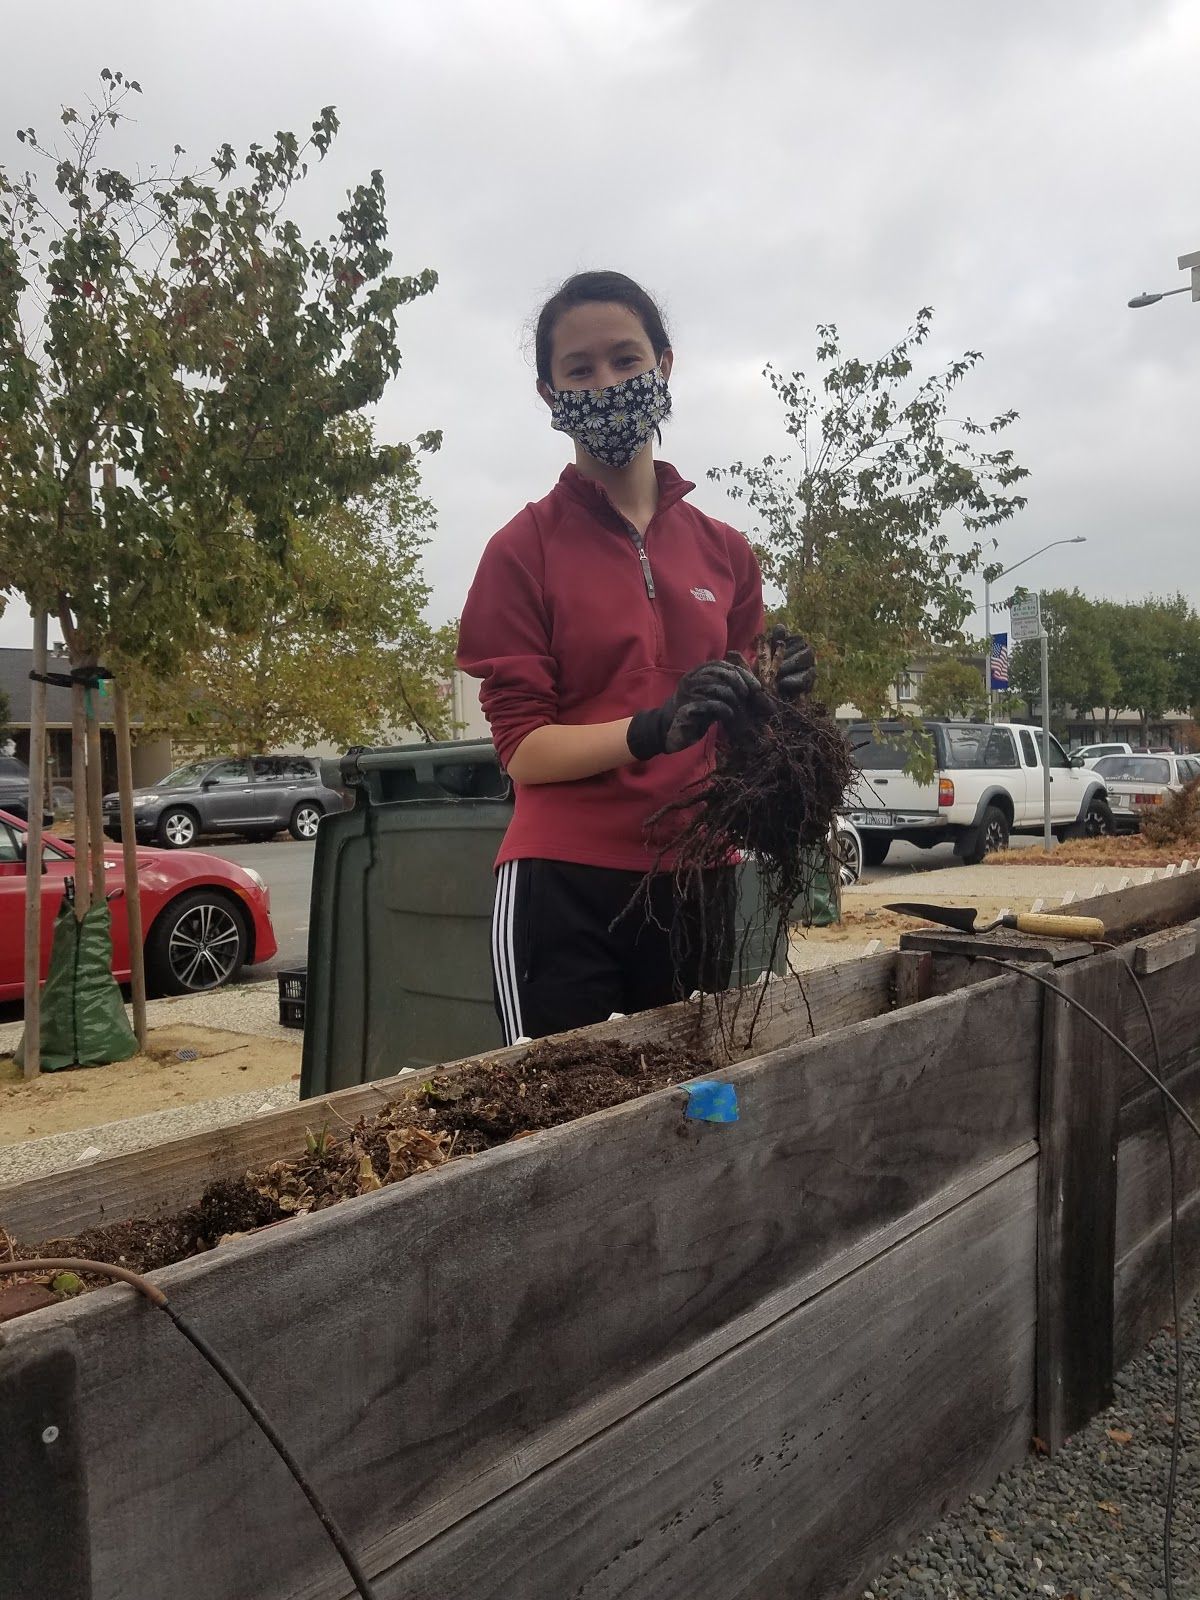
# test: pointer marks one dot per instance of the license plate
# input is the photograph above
(873, 819)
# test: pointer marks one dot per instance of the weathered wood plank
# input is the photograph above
(1165, 949)
(614, 1405)
(1173, 993)
(1143, 1191)
(1143, 1286)
(420, 1340)
(1080, 1103)
(1144, 908)
(173, 1174)
(1143, 1283)
(796, 1463)
(44, 1536)
(914, 977)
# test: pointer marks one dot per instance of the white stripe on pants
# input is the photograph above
(504, 964)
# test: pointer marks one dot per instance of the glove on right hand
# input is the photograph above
(716, 691)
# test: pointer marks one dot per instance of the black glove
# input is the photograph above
(796, 672)
(717, 691)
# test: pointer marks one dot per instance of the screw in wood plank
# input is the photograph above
(50, 1434)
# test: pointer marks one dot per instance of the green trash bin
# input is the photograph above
(399, 952)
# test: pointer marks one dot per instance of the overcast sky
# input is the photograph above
(761, 165)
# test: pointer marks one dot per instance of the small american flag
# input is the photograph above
(999, 661)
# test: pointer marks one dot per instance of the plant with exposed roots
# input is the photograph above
(779, 780)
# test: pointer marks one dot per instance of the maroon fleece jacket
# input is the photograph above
(566, 622)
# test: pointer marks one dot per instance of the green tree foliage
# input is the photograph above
(1142, 656)
(951, 688)
(339, 652)
(177, 326)
(873, 523)
(1083, 672)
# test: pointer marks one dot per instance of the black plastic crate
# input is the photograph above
(293, 986)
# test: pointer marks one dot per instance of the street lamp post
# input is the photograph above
(1189, 262)
(1080, 538)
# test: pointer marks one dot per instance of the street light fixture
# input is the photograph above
(1191, 262)
(1144, 299)
(1080, 538)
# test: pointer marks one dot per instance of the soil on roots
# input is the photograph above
(779, 780)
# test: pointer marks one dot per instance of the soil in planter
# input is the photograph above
(452, 1113)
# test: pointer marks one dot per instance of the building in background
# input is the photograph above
(905, 694)
(151, 757)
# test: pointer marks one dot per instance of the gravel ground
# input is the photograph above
(58, 1151)
(1087, 1524)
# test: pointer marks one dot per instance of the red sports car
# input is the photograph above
(204, 918)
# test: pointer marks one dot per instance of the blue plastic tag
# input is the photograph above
(710, 1101)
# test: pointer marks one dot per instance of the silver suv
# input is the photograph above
(255, 796)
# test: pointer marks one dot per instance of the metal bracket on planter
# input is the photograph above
(46, 1546)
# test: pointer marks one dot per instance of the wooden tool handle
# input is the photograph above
(1060, 927)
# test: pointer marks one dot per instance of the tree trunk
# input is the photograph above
(32, 1053)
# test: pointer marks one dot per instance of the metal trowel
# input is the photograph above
(1041, 924)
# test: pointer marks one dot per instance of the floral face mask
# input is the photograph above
(613, 424)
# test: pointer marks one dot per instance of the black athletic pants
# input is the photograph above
(559, 962)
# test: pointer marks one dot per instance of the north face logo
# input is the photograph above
(705, 594)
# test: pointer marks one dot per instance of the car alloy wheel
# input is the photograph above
(205, 946)
(306, 822)
(178, 829)
(995, 837)
(848, 853)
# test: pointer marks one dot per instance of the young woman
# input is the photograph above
(600, 621)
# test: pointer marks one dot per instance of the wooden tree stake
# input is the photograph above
(133, 903)
(95, 795)
(33, 853)
(83, 881)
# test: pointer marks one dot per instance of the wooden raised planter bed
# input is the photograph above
(639, 1356)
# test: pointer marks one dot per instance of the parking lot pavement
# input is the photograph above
(286, 865)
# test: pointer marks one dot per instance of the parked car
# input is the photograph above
(1136, 784)
(848, 851)
(987, 784)
(1089, 754)
(255, 796)
(203, 917)
(14, 790)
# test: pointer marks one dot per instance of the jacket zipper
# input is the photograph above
(639, 544)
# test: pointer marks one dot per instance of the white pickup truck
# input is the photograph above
(987, 784)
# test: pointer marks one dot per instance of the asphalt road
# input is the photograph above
(903, 858)
(287, 865)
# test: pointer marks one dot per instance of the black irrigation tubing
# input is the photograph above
(154, 1294)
